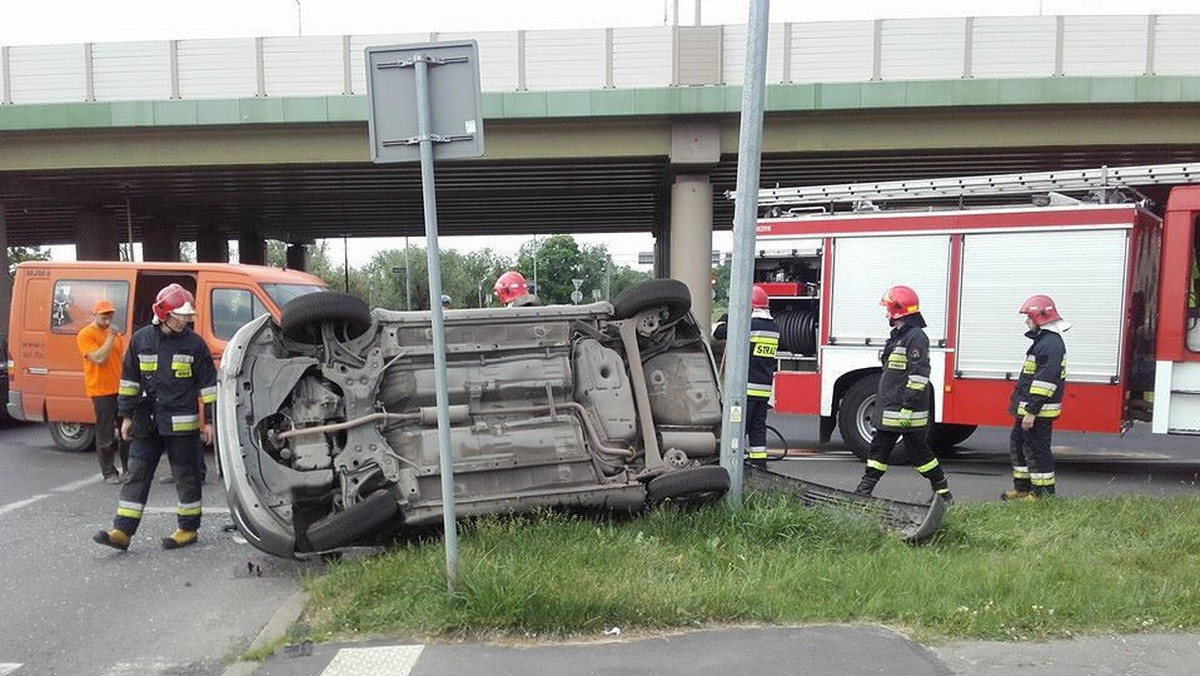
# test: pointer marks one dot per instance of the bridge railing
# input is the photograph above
(617, 58)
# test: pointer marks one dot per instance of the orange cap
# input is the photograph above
(103, 307)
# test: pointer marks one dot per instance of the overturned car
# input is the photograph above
(327, 421)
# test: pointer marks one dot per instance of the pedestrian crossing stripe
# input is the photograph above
(8, 667)
(395, 660)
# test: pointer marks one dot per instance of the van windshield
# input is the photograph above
(282, 293)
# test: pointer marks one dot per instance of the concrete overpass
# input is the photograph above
(608, 130)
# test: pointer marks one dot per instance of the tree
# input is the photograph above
(20, 254)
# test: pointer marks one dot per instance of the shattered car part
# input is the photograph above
(327, 420)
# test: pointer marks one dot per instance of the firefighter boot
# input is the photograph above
(943, 489)
(115, 538)
(1015, 494)
(866, 486)
(179, 539)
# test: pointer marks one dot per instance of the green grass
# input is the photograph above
(994, 571)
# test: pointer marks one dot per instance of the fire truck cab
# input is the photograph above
(1121, 273)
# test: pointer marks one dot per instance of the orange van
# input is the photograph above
(52, 301)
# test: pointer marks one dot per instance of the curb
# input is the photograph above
(275, 628)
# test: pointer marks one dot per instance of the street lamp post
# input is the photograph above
(299, 20)
(407, 278)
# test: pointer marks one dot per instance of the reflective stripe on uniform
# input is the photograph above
(1020, 472)
(897, 360)
(1029, 366)
(914, 416)
(182, 359)
(757, 452)
(928, 467)
(132, 510)
(1042, 478)
(185, 423)
(917, 382)
(1042, 388)
(129, 388)
(147, 362)
(188, 509)
(875, 464)
(208, 394)
(1048, 410)
(764, 343)
(758, 390)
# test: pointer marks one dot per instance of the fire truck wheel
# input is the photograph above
(854, 415)
(302, 317)
(947, 436)
(670, 294)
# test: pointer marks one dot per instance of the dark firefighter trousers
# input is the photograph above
(756, 430)
(1032, 460)
(143, 461)
(916, 441)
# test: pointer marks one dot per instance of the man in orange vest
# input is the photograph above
(101, 346)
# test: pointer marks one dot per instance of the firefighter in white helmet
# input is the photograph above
(1037, 400)
(166, 376)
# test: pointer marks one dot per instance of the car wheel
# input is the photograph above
(855, 414)
(302, 317)
(349, 525)
(694, 485)
(73, 437)
(671, 294)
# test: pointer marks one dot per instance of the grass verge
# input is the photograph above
(995, 571)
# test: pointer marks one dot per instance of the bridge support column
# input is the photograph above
(160, 242)
(296, 259)
(211, 245)
(695, 150)
(691, 240)
(5, 282)
(96, 236)
(252, 248)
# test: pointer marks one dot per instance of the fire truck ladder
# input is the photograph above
(1014, 184)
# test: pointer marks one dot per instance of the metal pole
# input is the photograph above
(429, 202)
(299, 20)
(698, 12)
(536, 289)
(128, 230)
(408, 277)
(737, 357)
(346, 263)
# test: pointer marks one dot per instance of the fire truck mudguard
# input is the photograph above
(912, 521)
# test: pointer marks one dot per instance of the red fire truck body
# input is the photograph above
(1120, 273)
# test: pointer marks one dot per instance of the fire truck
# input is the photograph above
(1123, 272)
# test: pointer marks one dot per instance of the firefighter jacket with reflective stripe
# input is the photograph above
(162, 378)
(1039, 390)
(764, 342)
(902, 398)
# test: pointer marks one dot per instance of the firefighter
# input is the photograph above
(1037, 400)
(760, 375)
(902, 396)
(513, 291)
(167, 370)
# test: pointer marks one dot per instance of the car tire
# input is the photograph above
(693, 485)
(302, 317)
(344, 527)
(670, 293)
(73, 437)
(853, 413)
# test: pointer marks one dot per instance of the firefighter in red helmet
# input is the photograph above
(902, 396)
(1037, 400)
(760, 374)
(513, 291)
(167, 374)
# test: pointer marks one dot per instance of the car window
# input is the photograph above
(73, 299)
(282, 293)
(231, 309)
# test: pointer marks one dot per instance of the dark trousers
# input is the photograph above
(917, 443)
(108, 443)
(143, 457)
(756, 430)
(1032, 459)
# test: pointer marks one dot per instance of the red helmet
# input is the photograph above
(1041, 309)
(173, 300)
(759, 298)
(511, 286)
(900, 301)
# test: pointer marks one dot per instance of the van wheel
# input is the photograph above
(302, 317)
(670, 294)
(73, 437)
(855, 414)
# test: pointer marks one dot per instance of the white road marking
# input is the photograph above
(8, 668)
(76, 485)
(140, 668)
(14, 506)
(395, 660)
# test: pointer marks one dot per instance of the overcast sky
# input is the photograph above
(25, 22)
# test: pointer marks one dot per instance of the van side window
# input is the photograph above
(232, 309)
(73, 299)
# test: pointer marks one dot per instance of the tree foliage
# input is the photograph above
(20, 254)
